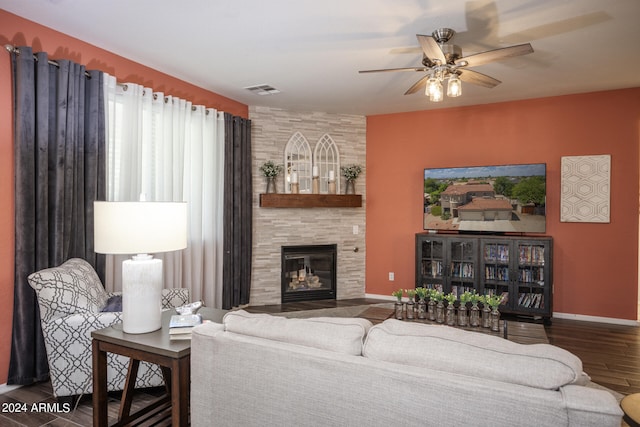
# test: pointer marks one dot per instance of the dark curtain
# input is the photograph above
(238, 216)
(59, 172)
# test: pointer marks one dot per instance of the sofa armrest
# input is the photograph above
(82, 324)
(591, 407)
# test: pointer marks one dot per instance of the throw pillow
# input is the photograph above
(114, 304)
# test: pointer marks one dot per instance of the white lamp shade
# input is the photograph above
(139, 227)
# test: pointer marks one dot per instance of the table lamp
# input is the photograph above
(140, 228)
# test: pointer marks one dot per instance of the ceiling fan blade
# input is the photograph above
(385, 70)
(494, 55)
(420, 84)
(477, 78)
(431, 48)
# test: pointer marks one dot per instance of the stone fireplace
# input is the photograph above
(308, 272)
(274, 228)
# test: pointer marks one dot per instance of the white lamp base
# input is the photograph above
(141, 295)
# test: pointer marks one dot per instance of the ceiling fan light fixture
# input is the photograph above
(438, 94)
(454, 87)
(442, 61)
(432, 86)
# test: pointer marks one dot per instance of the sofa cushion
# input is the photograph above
(341, 335)
(472, 353)
(72, 287)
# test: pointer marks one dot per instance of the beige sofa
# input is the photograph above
(262, 370)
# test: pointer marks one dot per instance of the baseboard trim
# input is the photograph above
(4, 388)
(385, 297)
(580, 317)
(598, 319)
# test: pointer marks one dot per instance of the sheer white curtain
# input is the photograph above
(167, 149)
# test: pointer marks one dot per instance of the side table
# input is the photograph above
(174, 358)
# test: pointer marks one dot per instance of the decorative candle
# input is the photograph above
(294, 177)
(332, 176)
(315, 171)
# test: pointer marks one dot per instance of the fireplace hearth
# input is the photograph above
(308, 272)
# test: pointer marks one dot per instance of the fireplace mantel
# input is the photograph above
(277, 200)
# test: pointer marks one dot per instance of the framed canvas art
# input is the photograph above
(585, 189)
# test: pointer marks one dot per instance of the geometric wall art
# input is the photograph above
(585, 194)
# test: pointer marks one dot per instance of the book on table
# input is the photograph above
(180, 325)
(180, 337)
(184, 321)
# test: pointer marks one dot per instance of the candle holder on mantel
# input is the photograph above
(315, 180)
(332, 182)
(295, 186)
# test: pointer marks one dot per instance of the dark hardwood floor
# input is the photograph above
(610, 355)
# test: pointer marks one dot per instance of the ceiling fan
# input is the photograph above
(442, 60)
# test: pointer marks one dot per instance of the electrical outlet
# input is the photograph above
(392, 276)
(356, 229)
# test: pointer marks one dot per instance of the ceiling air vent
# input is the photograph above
(262, 89)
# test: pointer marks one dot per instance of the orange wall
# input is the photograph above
(20, 32)
(595, 265)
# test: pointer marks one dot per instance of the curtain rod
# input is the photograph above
(13, 49)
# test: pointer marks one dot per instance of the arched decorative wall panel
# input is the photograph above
(327, 158)
(297, 162)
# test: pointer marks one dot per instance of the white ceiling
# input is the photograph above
(311, 50)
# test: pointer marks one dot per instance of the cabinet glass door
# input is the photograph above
(495, 276)
(462, 266)
(432, 264)
(531, 276)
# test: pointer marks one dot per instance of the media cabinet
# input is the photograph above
(519, 268)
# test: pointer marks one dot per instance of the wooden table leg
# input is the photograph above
(180, 391)
(129, 387)
(99, 386)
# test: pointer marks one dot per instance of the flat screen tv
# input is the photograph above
(486, 199)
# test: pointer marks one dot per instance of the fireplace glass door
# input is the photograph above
(308, 272)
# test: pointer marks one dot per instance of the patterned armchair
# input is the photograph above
(71, 299)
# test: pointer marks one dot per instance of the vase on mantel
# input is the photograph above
(351, 187)
(271, 185)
